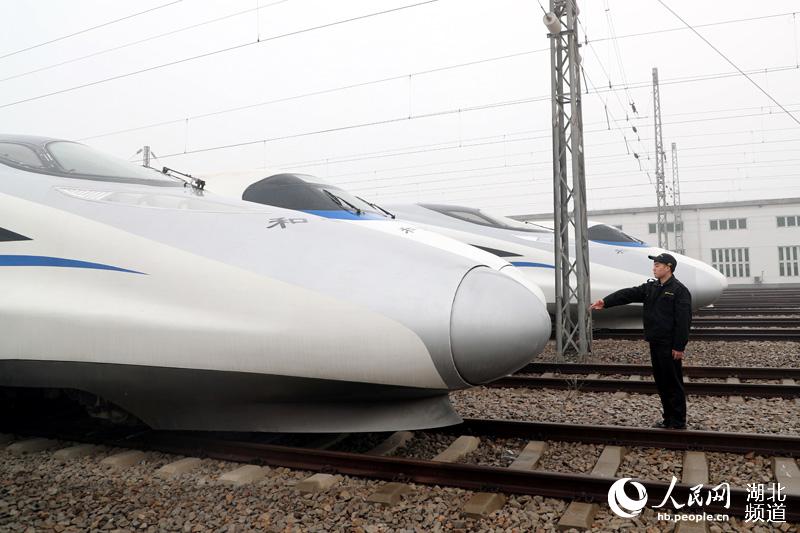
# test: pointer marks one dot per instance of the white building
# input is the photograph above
(750, 242)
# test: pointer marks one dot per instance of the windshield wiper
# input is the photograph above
(341, 201)
(376, 206)
(187, 179)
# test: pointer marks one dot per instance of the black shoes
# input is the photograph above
(676, 425)
(661, 425)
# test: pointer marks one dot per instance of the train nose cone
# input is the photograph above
(497, 326)
(709, 286)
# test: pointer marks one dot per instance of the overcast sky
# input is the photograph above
(445, 101)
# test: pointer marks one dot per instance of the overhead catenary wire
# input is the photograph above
(86, 30)
(219, 51)
(726, 58)
(140, 41)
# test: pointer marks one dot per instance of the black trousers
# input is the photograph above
(668, 375)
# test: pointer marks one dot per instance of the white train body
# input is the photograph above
(193, 311)
(617, 259)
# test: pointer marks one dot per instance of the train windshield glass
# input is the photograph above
(19, 155)
(606, 233)
(296, 191)
(79, 161)
(477, 216)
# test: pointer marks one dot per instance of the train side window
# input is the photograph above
(19, 154)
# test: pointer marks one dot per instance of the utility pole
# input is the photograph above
(676, 202)
(573, 324)
(661, 188)
(146, 156)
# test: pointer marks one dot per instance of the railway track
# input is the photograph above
(707, 333)
(754, 390)
(516, 480)
(719, 372)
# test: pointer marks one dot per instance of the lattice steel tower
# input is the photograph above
(661, 188)
(573, 318)
(676, 202)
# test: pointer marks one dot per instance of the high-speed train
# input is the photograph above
(304, 193)
(129, 289)
(526, 246)
(609, 247)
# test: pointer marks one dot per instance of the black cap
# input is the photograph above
(664, 259)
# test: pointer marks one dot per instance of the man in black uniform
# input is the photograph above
(667, 317)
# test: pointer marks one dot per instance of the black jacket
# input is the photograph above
(667, 311)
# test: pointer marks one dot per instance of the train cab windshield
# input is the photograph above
(298, 192)
(480, 217)
(74, 160)
(610, 234)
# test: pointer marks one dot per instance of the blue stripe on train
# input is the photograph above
(45, 261)
(529, 264)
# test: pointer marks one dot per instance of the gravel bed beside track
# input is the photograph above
(755, 415)
(699, 353)
(80, 496)
(739, 470)
(569, 457)
(425, 446)
(652, 463)
(496, 452)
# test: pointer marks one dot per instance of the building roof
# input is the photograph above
(648, 209)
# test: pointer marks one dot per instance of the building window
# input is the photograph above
(786, 221)
(728, 223)
(791, 221)
(732, 262)
(653, 227)
(787, 260)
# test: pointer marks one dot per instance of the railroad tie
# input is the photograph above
(593, 376)
(178, 468)
(395, 441)
(318, 483)
(461, 447)
(734, 381)
(787, 474)
(788, 381)
(695, 472)
(548, 375)
(123, 460)
(25, 447)
(529, 457)
(635, 377)
(391, 493)
(244, 475)
(580, 515)
(75, 452)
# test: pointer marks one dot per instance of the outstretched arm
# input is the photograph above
(622, 297)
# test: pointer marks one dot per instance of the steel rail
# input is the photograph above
(779, 334)
(696, 388)
(714, 311)
(466, 476)
(721, 372)
(763, 321)
(485, 478)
